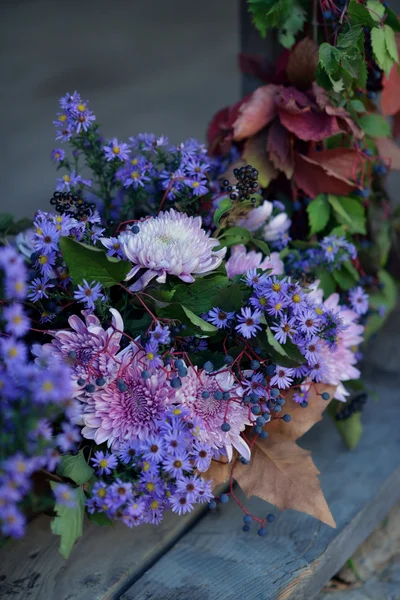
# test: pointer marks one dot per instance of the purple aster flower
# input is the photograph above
(46, 238)
(69, 102)
(128, 452)
(359, 300)
(45, 263)
(255, 385)
(88, 293)
(175, 441)
(113, 246)
(199, 186)
(190, 486)
(161, 334)
(196, 168)
(153, 359)
(284, 330)
(104, 462)
(39, 289)
(82, 117)
(176, 465)
(13, 351)
(249, 322)
(69, 438)
(283, 377)
(153, 449)
(276, 305)
(71, 180)
(134, 173)
(309, 323)
(219, 317)
(175, 244)
(12, 522)
(116, 150)
(64, 494)
(301, 396)
(99, 492)
(180, 504)
(310, 350)
(201, 454)
(318, 372)
(17, 323)
(121, 490)
(58, 155)
(204, 493)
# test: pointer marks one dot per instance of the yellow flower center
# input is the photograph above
(38, 231)
(154, 505)
(319, 311)
(150, 486)
(150, 356)
(67, 178)
(195, 184)
(276, 287)
(135, 175)
(101, 493)
(13, 352)
(47, 386)
(103, 463)
(81, 107)
(177, 411)
(262, 301)
(278, 306)
(19, 286)
(116, 149)
(17, 319)
(134, 161)
(21, 467)
(329, 249)
(296, 298)
(42, 259)
(62, 118)
(146, 466)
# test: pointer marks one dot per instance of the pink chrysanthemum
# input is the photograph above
(339, 363)
(171, 243)
(130, 406)
(272, 228)
(241, 261)
(210, 413)
(88, 347)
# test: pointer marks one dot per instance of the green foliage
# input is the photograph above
(200, 296)
(240, 235)
(286, 355)
(287, 16)
(345, 277)
(357, 106)
(375, 126)
(392, 20)
(6, 220)
(68, 522)
(75, 467)
(359, 14)
(224, 206)
(349, 212)
(230, 298)
(384, 47)
(343, 65)
(327, 282)
(195, 324)
(376, 10)
(100, 519)
(350, 430)
(92, 264)
(319, 211)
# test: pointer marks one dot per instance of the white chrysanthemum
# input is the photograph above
(171, 243)
(272, 228)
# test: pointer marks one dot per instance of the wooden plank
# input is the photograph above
(102, 564)
(217, 560)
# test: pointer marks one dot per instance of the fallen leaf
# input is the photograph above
(302, 63)
(389, 152)
(280, 148)
(390, 97)
(255, 113)
(326, 172)
(255, 153)
(220, 129)
(281, 472)
(219, 472)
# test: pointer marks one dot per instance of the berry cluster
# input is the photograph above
(71, 204)
(247, 183)
(356, 404)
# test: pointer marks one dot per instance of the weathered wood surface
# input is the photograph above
(102, 564)
(216, 560)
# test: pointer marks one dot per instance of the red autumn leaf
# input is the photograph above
(255, 154)
(280, 148)
(390, 97)
(326, 172)
(255, 65)
(396, 125)
(255, 113)
(345, 122)
(389, 152)
(220, 130)
(303, 118)
(281, 472)
(302, 63)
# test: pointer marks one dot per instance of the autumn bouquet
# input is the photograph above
(159, 337)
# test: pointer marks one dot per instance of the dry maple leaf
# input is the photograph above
(281, 472)
(218, 473)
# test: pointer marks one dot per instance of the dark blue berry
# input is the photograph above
(270, 518)
(258, 350)
(80, 381)
(255, 409)
(72, 354)
(263, 434)
(182, 372)
(218, 395)
(260, 421)
(254, 398)
(270, 370)
(175, 383)
(257, 429)
(325, 396)
(246, 528)
(277, 408)
(246, 399)
(90, 388)
(248, 519)
(262, 531)
(146, 374)
(224, 498)
(121, 385)
(100, 381)
(274, 392)
(228, 360)
(135, 229)
(287, 418)
(226, 396)
(179, 363)
(225, 427)
(208, 366)
(255, 364)
(205, 394)
(304, 404)
(212, 504)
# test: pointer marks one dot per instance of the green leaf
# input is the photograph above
(390, 42)
(351, 270)
(374, 323)
(293, 352)
(240, 235)
(358, 106)
(319, 211)
(382, 57)
(376, 10)
(329, 58)
(92, 264)
(19, 226)
(291, 27)
(6, 220)
(272, 348)
(100, 519)
(200, 296)
(350, 429)
(230, 298)
(344, 279)
(349, 212)
(384, 243)
(224, 206)
(358, 14)
(375, 125)
(68, 522)
(261, 245)
(389, 290)
(187, 317)
(326, 282)
(392, 20)
(350, 39)
(75, 467)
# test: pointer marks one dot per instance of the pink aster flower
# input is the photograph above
(197, 394)
(88, 347)
(241, 261)
(130, 406)
(171, 244)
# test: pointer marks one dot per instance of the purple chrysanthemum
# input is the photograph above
(171, 244)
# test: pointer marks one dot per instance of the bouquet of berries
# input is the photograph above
(159, 338)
